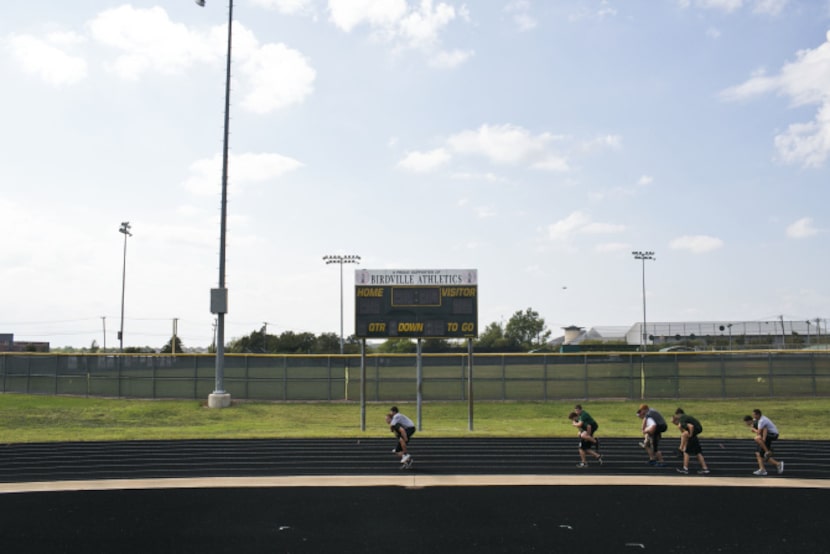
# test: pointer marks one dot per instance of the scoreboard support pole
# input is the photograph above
(362, 384)
(469, 384)
(420, 380)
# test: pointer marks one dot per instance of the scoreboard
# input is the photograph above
(416, 303)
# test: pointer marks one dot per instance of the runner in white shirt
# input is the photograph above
(404, 428)
(765, 432)
(653, 426)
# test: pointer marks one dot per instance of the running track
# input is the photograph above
(349, 495)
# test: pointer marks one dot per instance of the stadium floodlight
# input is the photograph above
(640, 255)
(125, 229)
(340, 259)
(219, 398)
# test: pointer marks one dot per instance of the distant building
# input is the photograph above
(705, 334)
(8, 344)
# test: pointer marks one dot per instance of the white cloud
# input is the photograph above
(272, 76)
(806, 81)
(348, 14)
(614, 142)
(393, 21)
(424, 162)
(763, 7)
(613, 247)
(504, 144)
(41, 58)
(801, 229)
(288, 7)
(770, 7)
(449, 60)
(697, 244)
(579, 223)
(521, 17)
(278, 77)
(420, 28)
(148, 40)
(244, 169)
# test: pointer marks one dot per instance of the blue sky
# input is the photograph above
(538, 142)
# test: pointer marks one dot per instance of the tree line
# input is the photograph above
(525, 331)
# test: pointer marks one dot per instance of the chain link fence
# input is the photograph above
(495, 377)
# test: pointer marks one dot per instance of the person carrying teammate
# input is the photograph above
(654, 425)
(765, 432)
(587, 426)
(404, 428)
(690, 428)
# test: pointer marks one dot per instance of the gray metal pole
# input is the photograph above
(470, 384)
(219, 297)
(420, 380)
(125, 229)
(340, 259)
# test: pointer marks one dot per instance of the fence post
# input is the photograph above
(284, 378)
(585, 376)
(503, 377)
(813, 373)
(676, 378)
(722, 376)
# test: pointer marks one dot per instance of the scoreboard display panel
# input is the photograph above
(416, 303)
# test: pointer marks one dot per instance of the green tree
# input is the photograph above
(527, 330)
(290, 342)
(493, 339)
(326, 343)
(399, 345)
(254, 343)
(168, 348)
(437, 346)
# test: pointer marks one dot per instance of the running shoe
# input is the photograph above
(581, 465)
(780, 467)
(683, 470)
(760, 472)
(406, 458)
(703, 472)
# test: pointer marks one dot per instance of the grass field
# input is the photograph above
(25, 418)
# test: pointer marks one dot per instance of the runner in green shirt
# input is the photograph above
(588, 443)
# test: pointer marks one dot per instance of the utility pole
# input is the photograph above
(175, 333)
(125, 229)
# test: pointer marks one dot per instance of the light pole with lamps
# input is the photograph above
(219, 398)
(639, 255)
(339, 259)
(125, 229)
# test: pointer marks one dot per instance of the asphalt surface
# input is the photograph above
(462, 495)
(308, 457)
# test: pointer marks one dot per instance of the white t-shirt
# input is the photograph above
(765, 422)
(402, 420)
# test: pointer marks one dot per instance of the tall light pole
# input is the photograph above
(639, 255)
(125, 229)
(338, 259)
(219, 296)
